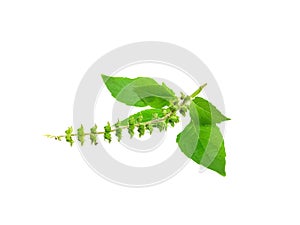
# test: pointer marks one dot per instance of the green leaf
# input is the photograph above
(156, 96)
(147, 115)
(168, 89)
(204, 145)
(122, 88)
(205, 112)
(141, 91)
(202, 140)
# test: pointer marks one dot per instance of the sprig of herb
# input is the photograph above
(201, 140)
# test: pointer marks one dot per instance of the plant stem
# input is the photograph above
(113, 130)
(198, 91)
(138, 124)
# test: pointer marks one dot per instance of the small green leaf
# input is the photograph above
(205, 112)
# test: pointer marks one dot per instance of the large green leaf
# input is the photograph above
(141, 91)
(156, 96)
(122, 88)
(146, 114)
(169, 89)
(204, 145)
(205, 112)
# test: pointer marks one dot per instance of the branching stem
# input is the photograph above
(181, 107)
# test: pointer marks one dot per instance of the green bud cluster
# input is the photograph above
(172, 120)
(131, 126)
(118, 131)
(165, 112)
(155, 116)
(182, 95)
(186, 100)
(107, 132)
(68, 136)
(183, 105)
(80, 134)
(140, 125)
(141, 130)
(183, 110)
(149, 127)
(93, 135)
(161, 126)
(140, 118)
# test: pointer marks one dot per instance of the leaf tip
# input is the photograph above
(223, 173)
(104, 77)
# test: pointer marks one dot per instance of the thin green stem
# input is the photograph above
(154, 121)
(113, 130)
(198, 91)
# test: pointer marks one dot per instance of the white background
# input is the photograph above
(252, 48)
